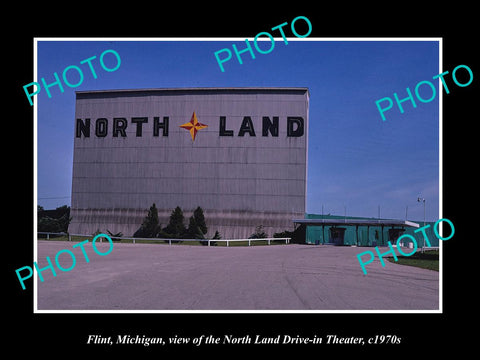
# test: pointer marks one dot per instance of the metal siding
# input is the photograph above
(258, 176)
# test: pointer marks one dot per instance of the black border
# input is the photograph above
(43, 334)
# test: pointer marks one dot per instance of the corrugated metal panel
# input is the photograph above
(260, 175)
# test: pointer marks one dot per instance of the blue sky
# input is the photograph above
(356, 161)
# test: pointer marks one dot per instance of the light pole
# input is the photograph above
(422, 200)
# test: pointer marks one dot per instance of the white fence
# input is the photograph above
(170, 241)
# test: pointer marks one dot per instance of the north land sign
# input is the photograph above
(238, 153)
(117, 126)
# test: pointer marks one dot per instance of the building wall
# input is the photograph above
(240, 181)
(367, 236)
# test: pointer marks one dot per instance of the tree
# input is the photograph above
(259, 233)
(150, 226)
(197, 227)
(193, 230)
(217, 236)
(53, 220)
(115, 236)
(296, 236)
(175, 225)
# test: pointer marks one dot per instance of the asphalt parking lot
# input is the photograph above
(276, 277)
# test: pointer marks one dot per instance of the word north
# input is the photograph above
(117, 126)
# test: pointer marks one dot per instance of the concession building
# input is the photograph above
(238, 153)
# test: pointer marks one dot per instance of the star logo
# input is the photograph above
(193, 126)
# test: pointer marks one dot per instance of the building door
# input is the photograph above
(337, 235)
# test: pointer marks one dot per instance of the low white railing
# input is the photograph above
(170, 241)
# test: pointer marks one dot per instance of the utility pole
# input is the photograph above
(423, 200)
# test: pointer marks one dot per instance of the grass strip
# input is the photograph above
(427, 260)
